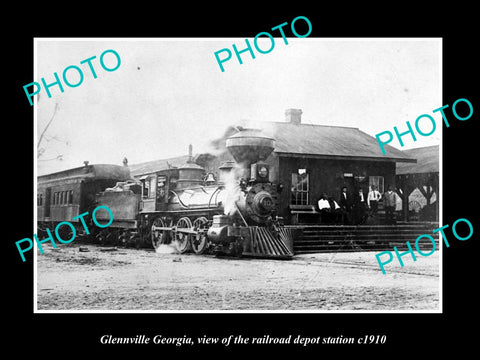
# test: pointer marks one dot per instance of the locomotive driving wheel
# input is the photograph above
(199, 240)
(182, 239)
(159, 237)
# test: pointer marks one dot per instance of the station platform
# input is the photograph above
(310, 238)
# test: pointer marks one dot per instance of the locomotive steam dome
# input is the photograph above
(249, 146)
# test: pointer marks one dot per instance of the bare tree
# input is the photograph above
(40, 151)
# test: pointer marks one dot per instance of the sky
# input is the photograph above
(169, 93)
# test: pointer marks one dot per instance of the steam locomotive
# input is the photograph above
(235, 215)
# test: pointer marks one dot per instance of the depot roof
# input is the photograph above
(302, 140)
(427, 161)
(329, 141)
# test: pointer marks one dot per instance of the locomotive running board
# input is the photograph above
(268, 244)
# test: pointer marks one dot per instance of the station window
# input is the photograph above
(39, 199)
(70, 197)
(55, 198)
(377, 181)
(300, 187)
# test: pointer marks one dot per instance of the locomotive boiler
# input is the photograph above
(234, 215)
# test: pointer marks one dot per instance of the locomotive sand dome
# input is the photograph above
(190, 173)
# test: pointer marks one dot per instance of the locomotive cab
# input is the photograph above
(156, 188)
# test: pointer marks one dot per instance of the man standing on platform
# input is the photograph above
(390, 202)
(345, 204)
(360, 207)
(373, 198)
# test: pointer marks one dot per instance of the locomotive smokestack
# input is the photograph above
(248, 146)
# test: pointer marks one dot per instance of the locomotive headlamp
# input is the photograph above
(259, 172)
(263, 171)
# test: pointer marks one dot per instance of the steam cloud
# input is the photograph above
(232, 188)
(167, 248)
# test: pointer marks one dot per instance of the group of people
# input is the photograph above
(355, 208)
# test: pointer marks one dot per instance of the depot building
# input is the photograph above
(307, 160)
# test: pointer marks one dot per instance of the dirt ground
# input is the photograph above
(105, 278)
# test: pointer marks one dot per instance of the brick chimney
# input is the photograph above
(293, 116)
